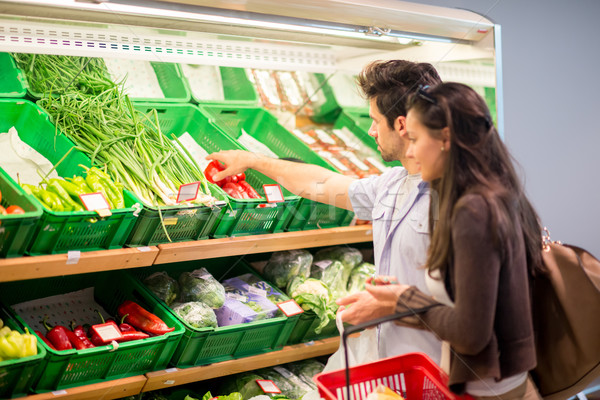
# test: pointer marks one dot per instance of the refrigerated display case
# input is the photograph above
(335, 38)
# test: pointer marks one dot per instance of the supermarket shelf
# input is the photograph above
(114, 389)
(22, 268)
(173, 377)
(187, 251)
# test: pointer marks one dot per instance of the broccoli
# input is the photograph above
(200, 285)
(196, 314)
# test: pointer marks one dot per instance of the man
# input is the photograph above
(397, 202)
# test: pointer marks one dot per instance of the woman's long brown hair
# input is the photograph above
(478, 162)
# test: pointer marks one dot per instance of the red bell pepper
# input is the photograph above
(81, 335)
(143, 319)
(45, 339)
(212, 169)
(58, 336)
(235, 191)
(250, 191)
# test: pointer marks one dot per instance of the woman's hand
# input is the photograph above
(374, 302)
(236, 162)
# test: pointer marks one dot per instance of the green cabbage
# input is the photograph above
(285, 265)
(200, 285)
(196, 314)
(163, 286)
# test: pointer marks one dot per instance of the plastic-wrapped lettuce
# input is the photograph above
(250, 283)
(200, 285)
(244, 383)
(348, 256)
(285, 265)
(312, 294)
(196, 314)
(330, 273)
(290, 385)
(162, 285)
(306, 370)
(241, 306)
(358, 277)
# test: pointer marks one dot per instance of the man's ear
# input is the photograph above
(400, 125)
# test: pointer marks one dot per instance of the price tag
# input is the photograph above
(73, 257)
(96, 202)
(273, 193)
(235, 296)
(290, 308)
(268, 386)
(144, 249)
(323, 264)
(107, 331)
(59, 392)
(188, 192)
(257, 291)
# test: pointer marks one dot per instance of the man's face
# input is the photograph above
(390, 143)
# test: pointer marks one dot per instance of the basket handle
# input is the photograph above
(368, 324)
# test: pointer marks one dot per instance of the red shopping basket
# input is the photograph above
(414, 375)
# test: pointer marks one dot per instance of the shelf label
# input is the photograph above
(268, 386)
(273, 193)
(73, 257)
(144, 249)
(257, 291)
(96, 202)
(188, 192)
(107, 331)
(290, 308)
(59, 392)
(323, 264)
(169, 382)
(171, 370)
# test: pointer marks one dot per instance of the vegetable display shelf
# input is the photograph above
(241, 216)
(61, 231)
(263, 126)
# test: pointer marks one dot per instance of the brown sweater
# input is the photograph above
(489, 328)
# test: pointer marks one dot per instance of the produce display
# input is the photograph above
(135, 323)
(14, 344)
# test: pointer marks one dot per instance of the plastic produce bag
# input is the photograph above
(306, 370)
(251, 284)
(163, 286)
(285, 265)
(348, 256)
(290, 385)
(242, 307)
(244, 383)
(196, 314)
(359, 276)
(200, 285)
(330, 273)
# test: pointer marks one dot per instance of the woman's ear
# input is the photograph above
(446, 137)
(400, 125)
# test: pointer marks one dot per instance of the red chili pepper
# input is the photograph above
(249, 190)
(143, 319)
(212, 169)
(58, 336)
(135, 335)
(45, 339)
(80, 333)
(235, 191)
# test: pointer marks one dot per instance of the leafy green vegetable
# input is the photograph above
(196, 314)
(231, 396)
(285, 265)
(312, 294)
(200, 285)
(348, 256)
(306, 370)
(358, 277)
(330, 273)
(165, 287)
(244, 383)
(290, 385)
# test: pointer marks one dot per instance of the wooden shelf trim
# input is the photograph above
(168, 378)
(23, 268)
(213, 248)
(114, 389)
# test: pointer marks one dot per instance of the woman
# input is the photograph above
(484, 246)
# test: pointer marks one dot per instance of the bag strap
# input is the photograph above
(368, 324)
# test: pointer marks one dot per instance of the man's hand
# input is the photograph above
(373, 303)
(236, 162)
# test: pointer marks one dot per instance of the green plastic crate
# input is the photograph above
(12, 82)
(61, 231)
(17, 230)
(359, 123)
(70, 368)
(171, 81)
(211, 345)
(242, 216)
(328, 111)
(304, 331)
(19, 375)
(237, 89)
(264, 127)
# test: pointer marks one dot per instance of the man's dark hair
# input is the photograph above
(392, 82)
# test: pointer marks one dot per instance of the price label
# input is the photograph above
(235, 296)
(273, 193)
(107, 331)
(257, 291)
(188, 192)
(268, 386)
(290, 308)
(323, 264)
(96, 202)
(73, 257)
